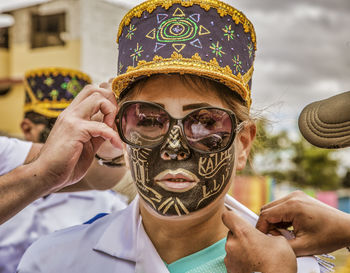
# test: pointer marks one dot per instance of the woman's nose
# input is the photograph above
(175, 147)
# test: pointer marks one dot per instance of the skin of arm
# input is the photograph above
(92, 179)
(67, 154)
(318, 228)
(33, 152)
(244, 238)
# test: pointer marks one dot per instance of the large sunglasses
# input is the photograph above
(145, 125)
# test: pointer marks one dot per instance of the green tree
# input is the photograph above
(308, 166)
(313, 167)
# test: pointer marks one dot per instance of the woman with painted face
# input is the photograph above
(183, 86)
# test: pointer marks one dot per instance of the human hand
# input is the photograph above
(249, 250)
(318, 228)
(106, 151)
(75, 138)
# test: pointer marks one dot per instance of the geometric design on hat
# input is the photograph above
(250, 50)
(217, 49)
(40, 94)
(73, 86)
(195, 17)
(177, 29)
(203, 30)
(237, 63)
(120, 68)
(179, 47)
(131, 32)
(151, 34)
(228, 32)
(214, 16)
(196, 43)
(49, 81)
(221, 7)
(137, 53)
(158, 46)
(54, 94)
(179, 12)
(161, 17)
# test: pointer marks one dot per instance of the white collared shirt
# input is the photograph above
(13, 153)
(114, 243)
(46, 215)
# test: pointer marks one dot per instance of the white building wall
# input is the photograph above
(99, 28)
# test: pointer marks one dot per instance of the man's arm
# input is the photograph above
(33, 152)
(67, 154)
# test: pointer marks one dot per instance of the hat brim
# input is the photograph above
(184, 66)
(326, 123)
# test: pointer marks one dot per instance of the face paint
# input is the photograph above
(160, 173)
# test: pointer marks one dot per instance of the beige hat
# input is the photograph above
(326, 123)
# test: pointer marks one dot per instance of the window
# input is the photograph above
(4, 38)
(47, 30)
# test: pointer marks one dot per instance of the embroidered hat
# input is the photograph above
(50, 90)
(326, 123)
(207, 38)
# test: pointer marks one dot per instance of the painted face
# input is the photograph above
(172, 178)
(181, 185)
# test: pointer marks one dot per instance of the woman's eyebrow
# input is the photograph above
(195, 106)
(160, 104)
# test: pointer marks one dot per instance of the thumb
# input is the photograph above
(233, 221)
(298, 245)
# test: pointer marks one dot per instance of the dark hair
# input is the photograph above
(229, 97)
(40, 119)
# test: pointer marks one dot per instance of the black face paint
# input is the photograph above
(212, 170)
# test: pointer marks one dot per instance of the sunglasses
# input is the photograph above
(145, 125)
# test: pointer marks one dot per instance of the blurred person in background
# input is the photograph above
(48, 92)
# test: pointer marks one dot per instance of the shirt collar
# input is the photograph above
(120, 240)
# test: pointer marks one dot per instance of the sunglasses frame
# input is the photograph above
(174, 121)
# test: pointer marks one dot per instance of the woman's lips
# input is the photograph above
(179, 180)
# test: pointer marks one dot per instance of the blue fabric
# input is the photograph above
(208, 260)
(96, 217)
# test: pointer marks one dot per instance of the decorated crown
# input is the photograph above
(202, 37)
(50, 90)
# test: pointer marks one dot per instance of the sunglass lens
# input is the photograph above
(208, 129)
(144, 124)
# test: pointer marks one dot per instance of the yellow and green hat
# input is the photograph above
(207, 38)
(50, 90)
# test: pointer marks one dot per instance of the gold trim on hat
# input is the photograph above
(45, 108)
(222, 8)
(55, 71)
(194, 65)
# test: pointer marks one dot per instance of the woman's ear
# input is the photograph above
(245, 140)
(30, 130)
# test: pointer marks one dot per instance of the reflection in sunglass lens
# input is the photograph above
(208, 129)
(144, 124)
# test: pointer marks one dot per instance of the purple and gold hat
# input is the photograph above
(207, 38)
(50, 90)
